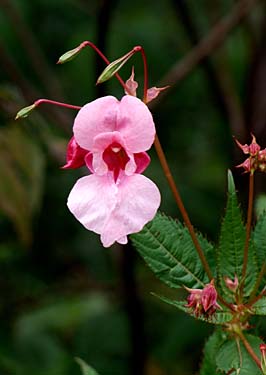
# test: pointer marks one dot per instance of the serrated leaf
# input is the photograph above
(220, 317)
(85, 368)
(211, 348)
(230, 251)
(167, 248)
(259, 238)
(259, 308)
(233, 355)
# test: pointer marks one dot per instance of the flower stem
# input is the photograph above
(163, 161)
(249, 349)
(180, 205)
(145, 68)
(93, 46)
(41, 101)
(248, 229)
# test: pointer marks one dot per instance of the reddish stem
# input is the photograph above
(145, 68)
(59, 104)
(93, 46)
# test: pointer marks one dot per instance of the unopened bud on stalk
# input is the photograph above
(24, 112)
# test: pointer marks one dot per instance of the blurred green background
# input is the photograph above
(61, 294)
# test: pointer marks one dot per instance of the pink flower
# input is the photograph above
(115, 200)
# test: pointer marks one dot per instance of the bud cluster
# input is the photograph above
(203, 301)
(256, 159)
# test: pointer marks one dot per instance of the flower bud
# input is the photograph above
(114, 67)
(24, 112)
(231, 284)
(69, 55)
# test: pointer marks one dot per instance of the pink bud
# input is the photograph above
(209, 296)
(262, 155)
(254, 148)
(131, 84)
(231, 284)
(244, 148)
(153, 92)
(246, 165)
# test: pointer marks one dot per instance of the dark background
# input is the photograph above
(61, 294)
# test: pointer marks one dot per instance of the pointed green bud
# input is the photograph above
(24, 112)
(114, 67)
(69, 55)
(231, 184)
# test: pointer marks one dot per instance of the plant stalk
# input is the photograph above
(179, 202)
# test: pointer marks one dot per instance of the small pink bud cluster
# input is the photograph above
(256, 159)
(203, 301)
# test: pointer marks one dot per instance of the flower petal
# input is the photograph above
(137, 201)
(114, 211)
(75, 155)
(135, 122)
(91, 201)
(131, 117)
(96, 117)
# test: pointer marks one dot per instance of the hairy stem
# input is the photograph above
(249, 349)
(180, 205)
(248, 228)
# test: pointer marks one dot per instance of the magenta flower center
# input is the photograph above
(116, 158)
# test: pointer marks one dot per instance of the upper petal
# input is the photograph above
(135, 122)
(137, 202)
(96, 117)
(131, 117)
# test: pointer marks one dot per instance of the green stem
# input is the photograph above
(248, 229)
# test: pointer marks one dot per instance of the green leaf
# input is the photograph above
(220, 317)
(259, 308)
(260, 239)
(211, 348)
(85, 368)
(231, 244)
(114, 67)
(233, 355)
(167, 248)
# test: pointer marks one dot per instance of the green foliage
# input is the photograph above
(259, 308)
(233, 355)
(260, 239)
(167, 248)
(232, 242)
(85, 368)
(21, 176)
(220, 317)
(208, 366)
